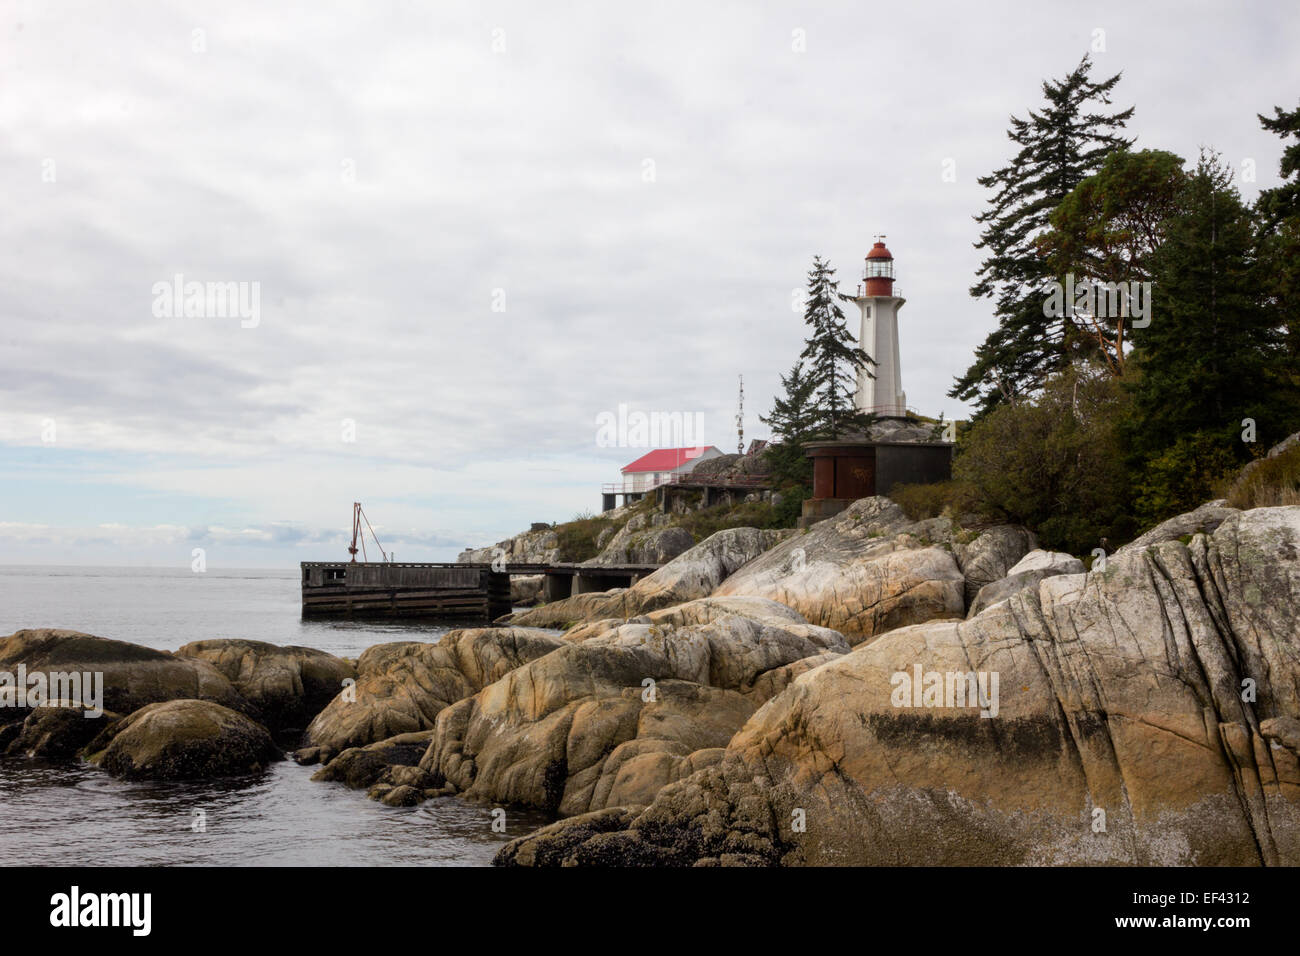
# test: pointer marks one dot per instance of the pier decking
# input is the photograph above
(450, 590)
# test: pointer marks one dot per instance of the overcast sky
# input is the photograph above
(476, 227)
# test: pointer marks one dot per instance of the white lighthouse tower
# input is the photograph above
(883, 394)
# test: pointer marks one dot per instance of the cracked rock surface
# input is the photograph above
(1147, 713)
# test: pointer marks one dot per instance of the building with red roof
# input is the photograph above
(658, 466)
(655, 468)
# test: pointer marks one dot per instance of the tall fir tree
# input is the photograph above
(833, 355)
(792, 421)
(1059, 145)
(1212, 355)
(1279, 213)
(1283, 202)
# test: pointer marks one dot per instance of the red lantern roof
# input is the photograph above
(878, 251)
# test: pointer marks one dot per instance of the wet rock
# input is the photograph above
(287, 685)
(361, 767)
(183, 739)
(402, 797)
(58, 731)
(132, 676)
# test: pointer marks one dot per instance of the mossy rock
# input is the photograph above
(183, 739)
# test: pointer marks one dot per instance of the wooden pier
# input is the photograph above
(470, 592)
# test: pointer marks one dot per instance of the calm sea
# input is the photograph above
(78, 815)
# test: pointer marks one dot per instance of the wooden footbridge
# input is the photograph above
(466, 591)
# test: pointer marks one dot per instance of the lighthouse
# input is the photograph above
(883, 393)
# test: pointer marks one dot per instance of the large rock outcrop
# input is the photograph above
(133, 676)
(183, 739)
(531, 547)
(287, 685)
(538, 545)
(636, 542)
(694, 574)
(867, 570)
(990, 555)
(1031, 569)
(401, 687)
(624, 708)
(1203, 520)
(1148, 714)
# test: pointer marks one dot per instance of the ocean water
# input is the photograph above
(78, 815)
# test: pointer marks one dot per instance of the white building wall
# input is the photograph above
(883, 394)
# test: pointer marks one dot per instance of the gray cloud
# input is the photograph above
(380, 175)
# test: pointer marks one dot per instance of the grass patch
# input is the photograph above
(932, 500)
(577, 538)
(1272, 482)
(751, 514)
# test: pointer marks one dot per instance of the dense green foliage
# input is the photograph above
(1056, 462)
(1096, 427)
(1283, 202)
(1108, 230)
(1060, 144)
(792, 421)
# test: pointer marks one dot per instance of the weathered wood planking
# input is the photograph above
(465, 591)
(377, 589)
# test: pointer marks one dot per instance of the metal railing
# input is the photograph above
(717, 481)
(896, 292)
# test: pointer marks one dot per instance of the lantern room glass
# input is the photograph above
(880, 269)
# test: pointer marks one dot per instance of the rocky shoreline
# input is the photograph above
(786, 698)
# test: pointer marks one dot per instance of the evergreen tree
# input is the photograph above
(1059, 146)
(1279, 213)
(834, 358)
(1283, 202)
(1212, 354)
(792, 421)
(1108, 229)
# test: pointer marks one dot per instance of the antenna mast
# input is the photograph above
(740, 419)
